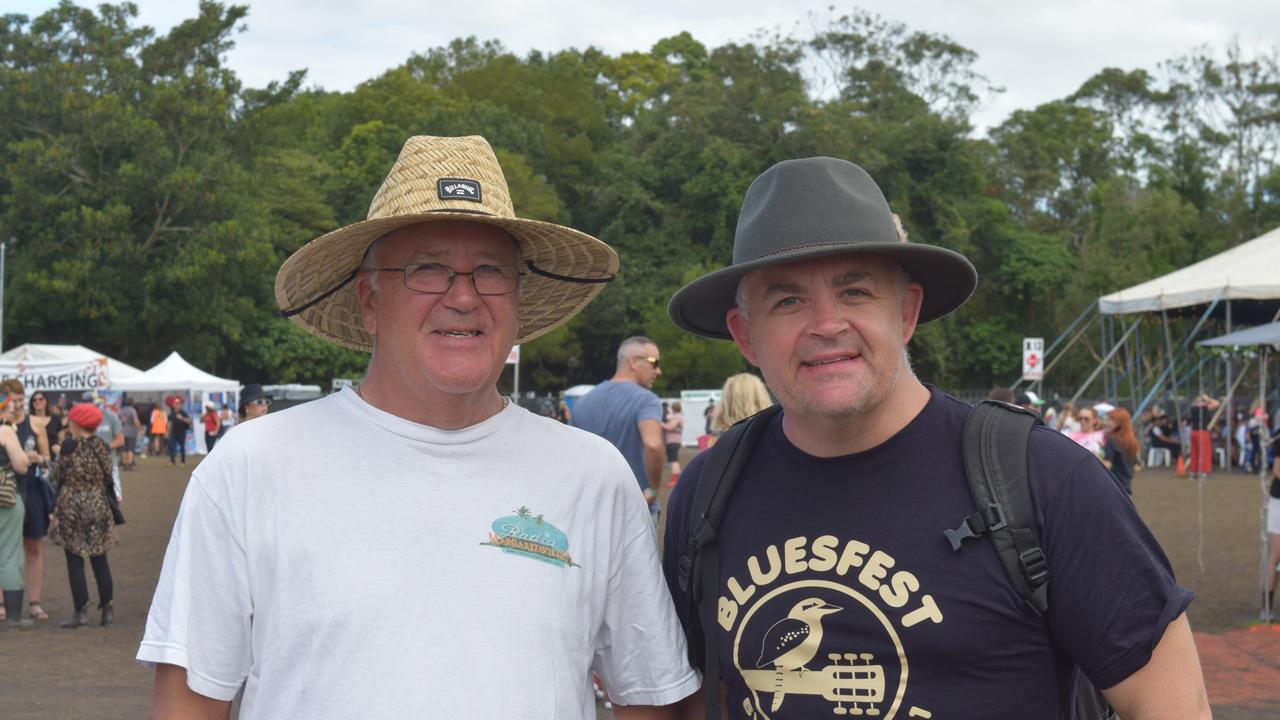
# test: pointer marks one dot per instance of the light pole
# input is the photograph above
(4, 250)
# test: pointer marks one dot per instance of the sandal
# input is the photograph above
(36, 612)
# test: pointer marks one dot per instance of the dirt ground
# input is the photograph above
(51, 673)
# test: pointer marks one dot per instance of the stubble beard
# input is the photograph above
(875, 393)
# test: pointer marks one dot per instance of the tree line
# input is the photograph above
(154, 196)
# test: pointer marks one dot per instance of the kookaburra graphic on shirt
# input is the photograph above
(775, 610)
(840, 596)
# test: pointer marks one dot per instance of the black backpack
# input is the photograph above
(995, 461)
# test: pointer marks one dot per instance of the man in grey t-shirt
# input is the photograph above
(111, 430)
(624, 411)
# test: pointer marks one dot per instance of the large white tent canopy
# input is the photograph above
(175, 373)
(36, 352)
(1249, 271)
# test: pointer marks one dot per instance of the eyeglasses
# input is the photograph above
(651, 360)
(436, 279)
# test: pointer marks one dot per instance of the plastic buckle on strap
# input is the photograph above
(1034, 565)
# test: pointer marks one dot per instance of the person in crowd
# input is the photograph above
(536, 529)
(132, 426)
(37, 495)
(1003, 394)
(1255, 426)
(254, 402)
(1273, 528)
(111, 432)
(1199, 418)
(831, 556)
(179, 422)
(1120, 452)
(14, 462)
(159, 430)
(227, 416)
(1161, 434)
(1090, 434)
(743, 395)
(44, 419)
(1031, 401)
(212, 425)
(626, 412)
(1068, 422)
(673, 430)
(83, 523)
(57, 424)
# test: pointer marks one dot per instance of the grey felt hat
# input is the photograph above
(799, 209)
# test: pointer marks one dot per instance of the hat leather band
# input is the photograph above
(322, 297)
(565, 278)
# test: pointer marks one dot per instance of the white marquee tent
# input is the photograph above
(1249, 271)
(55, 368)
(174, 374)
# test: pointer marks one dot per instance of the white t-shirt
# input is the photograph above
(346, 562)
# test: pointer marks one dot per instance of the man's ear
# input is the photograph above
(368, 302)
(912, 300)
(741, 334)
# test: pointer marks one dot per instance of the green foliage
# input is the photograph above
(154, 196)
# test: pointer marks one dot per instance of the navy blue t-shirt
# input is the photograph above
(839, 590)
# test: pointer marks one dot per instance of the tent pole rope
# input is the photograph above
(1060, 355)
(1185, 344)
(1262, 483)
(1104, 362)
(1171, 370)
(1226, 401)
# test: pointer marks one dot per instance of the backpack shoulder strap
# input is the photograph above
(995, 463)
(700, 560)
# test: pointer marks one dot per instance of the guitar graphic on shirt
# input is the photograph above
(858, 683)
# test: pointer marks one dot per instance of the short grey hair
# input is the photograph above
(629, 346)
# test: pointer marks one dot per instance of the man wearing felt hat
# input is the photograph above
(836, 587)
(418, 546)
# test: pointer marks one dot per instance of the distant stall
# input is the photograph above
(176, 375)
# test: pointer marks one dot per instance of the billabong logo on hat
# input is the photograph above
(458, 189)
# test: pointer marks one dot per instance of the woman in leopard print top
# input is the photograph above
(82, 522)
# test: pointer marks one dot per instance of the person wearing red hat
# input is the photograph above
(83, 522)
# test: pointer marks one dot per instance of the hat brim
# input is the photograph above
(545, 303)
(948, 279)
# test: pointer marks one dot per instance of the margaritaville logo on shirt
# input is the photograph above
(531, 536)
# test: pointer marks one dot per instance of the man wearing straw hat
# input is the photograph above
(417, 546)
(837, 591)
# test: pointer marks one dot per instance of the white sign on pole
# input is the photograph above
(1032, 358)
(513, 358)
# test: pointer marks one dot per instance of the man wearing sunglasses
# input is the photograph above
(624, 411)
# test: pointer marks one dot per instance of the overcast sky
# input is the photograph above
(1037, 50)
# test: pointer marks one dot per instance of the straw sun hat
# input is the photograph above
(443, 178)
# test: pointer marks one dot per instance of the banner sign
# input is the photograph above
(1032, 358)
(57, 375)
